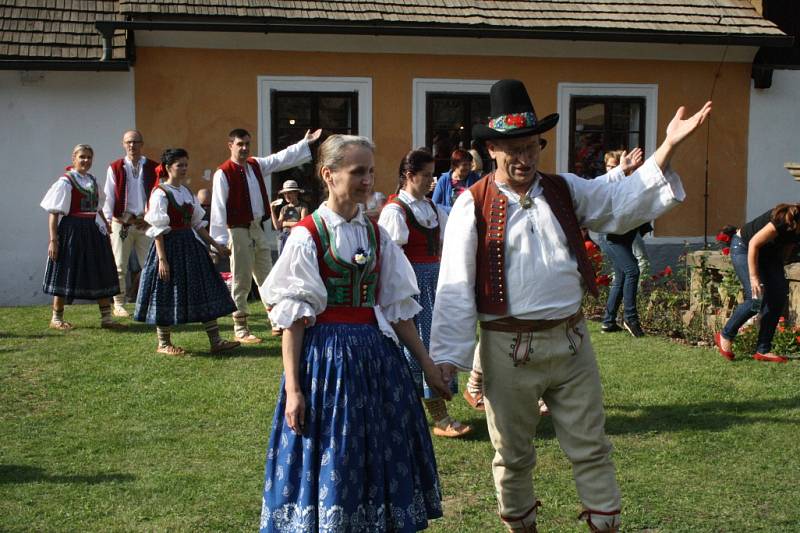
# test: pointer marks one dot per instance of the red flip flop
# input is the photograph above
(727, 354)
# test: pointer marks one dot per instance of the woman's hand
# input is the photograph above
(295, 411)
(163, 269)
(756, 288)
(433, 377)
(52, 249)
(222, 250)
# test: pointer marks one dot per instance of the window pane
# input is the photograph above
(625, 115)
(588, 154)
(335, 113)
(447, 113)
(293, 111)
(589, 116)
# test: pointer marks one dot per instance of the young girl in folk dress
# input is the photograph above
(80, 263)
(179, 283)
(415, 223)
(350, 449)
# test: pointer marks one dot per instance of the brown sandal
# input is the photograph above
(61, 326)
(223, 346)
(475, 400)
(170, 349)
(450, 428)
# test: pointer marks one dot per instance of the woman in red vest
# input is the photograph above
(350, 448)
(179, 283)
(80, 263)
(417, 225)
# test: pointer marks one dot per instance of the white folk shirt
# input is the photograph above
(58, 198)
(393, 218)
(158, 217)
(134, 187)
(294, 288)
(294, 155)
(541, 272)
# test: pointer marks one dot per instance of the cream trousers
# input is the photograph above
(558, 365)
(250, 259)
(137, 241)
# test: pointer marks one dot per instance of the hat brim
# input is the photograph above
(282, 191)
(481, 132)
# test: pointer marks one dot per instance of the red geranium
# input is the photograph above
(667, 271)
(726, 251)
(603, 280)
(723, 237)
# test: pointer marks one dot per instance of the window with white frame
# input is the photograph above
(596, 118)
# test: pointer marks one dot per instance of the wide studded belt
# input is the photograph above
(518, 325)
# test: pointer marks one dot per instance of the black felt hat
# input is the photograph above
(512, 114)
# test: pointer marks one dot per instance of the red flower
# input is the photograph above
(723, 237)
(726, 251)
(781, 320)
(603, 280)
(667, 271)
(797, 339)
(589, 245)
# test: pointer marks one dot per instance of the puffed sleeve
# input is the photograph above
(157, 215)
(443, 216)
(393, 221)
(58, 197)
(197, 214)
(294, 288)
(398, 283)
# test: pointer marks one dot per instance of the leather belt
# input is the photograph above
(131, 222)
(518, 325)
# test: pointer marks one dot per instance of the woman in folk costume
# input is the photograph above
(179, 283)
(349, 448)
(417, 225)
(80, 263)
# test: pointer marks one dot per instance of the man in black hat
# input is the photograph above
(514, 261)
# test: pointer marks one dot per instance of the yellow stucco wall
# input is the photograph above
(192, 98)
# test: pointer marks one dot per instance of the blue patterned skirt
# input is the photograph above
(427, 277)
(195, 291)
(85, 268)
(366, 462)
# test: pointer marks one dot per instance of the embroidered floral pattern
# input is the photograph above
(513, 121)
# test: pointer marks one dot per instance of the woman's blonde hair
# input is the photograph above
(613, 154)
(82, 148)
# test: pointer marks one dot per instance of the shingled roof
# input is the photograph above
(709, 17)
(57, 29)
(64, 31)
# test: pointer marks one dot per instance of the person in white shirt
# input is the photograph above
(349, 438)
(79, 259)
(514, 261)
(417, 225)
(129, 182)
(239, 206)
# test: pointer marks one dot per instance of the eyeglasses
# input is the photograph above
(131, 142)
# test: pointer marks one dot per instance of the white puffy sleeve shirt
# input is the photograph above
(393, 219)
(158, 216)
(294, 288)
(58, 198)
(541, 271)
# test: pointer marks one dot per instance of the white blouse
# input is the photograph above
(158, 217)
(393, 218)
(295, 289)
(59, 196)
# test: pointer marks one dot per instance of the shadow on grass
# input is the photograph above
(15, 474)
(706, 416)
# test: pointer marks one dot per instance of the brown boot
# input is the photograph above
(609, 525)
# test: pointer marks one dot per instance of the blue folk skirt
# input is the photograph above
(365, 462)
(195, 291)
(85, 267)
(427, 277)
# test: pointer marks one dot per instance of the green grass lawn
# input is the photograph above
(99, 433)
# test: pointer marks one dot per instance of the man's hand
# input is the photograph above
(448, 371)
(631, 161)
(680, 128)
(312, 137)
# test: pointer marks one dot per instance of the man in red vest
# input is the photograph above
(239, 206)
(129, 182)
(514, 262)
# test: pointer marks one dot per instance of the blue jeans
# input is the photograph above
(625, 285)
(770, 270)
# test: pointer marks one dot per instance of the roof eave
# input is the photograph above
(445, 30)
(115, 65)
